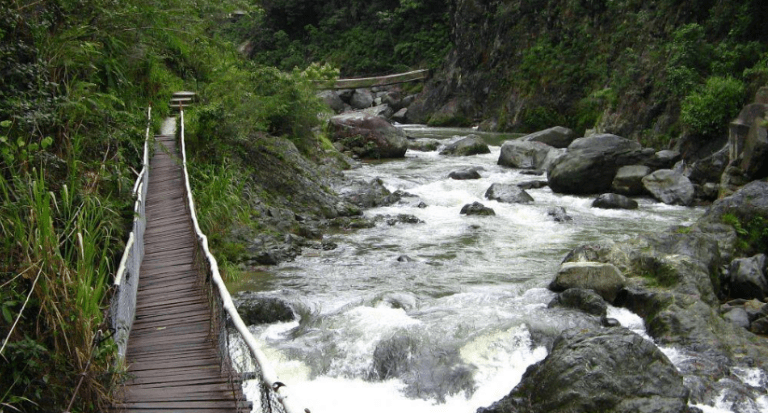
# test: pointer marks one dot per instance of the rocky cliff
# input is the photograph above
(621, 67)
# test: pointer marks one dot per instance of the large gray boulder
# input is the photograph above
(602, 278)
(746, 278)
(587, 301)
(361, 99)
(368, 136)
(255, 308)
(332, 99)
(526, 155)
(590, 164)
(629, 180)
(556, 137)
(614, 201)
(467, 146)
(605, 370)
(508, 193)
(669, 187)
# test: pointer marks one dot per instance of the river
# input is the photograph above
(453, 328)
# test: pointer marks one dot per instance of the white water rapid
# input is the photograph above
(456, 327)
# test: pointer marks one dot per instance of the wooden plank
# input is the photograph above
(173, 362)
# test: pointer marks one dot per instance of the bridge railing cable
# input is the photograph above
(248, 361)
(123, 306)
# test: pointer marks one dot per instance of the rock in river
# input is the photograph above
(368, 136)
(470, 145)
(606, 370)
(508, 193)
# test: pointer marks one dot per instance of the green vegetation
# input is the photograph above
(644, 70)
(77, 77)
(360, 37)
(752, 234)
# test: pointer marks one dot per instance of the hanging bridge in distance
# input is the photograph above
(171, 308)
(378, 81)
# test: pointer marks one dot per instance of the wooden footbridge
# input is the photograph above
(170, 306)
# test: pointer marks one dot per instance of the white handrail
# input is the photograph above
(136, 193)
(268, 375)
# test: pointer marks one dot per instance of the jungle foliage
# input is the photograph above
(359, 37)
(76, 78)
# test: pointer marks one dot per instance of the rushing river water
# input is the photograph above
(454, 329)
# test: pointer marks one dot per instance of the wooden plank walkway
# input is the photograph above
(173, 362)
(365, 82)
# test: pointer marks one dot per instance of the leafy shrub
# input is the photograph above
(707, 111)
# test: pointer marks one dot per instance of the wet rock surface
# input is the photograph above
(607, 370)
(508, 193)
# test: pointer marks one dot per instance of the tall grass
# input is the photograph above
(58, 247)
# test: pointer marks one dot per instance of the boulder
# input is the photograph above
(754, 163)
(556, 137)
(393, 98)
(614, 201)
(746, 204)
(598, 370)
(664, 159)
(590, 164)
(708, 169)
(532, 184)
(759, 326)
(367, 194)
(477, 208)
(423, 144)
(669, 187)
(587, 301)
(629, 180)
(525, 155)
(739, 129)
(467, 146)
(401, 116)
(367, 136)
(559, 214)
(737, 316)
(746, 278)
(508, 193)
(332, 99)
(255, 308)
(465, 174)
(604, 279)
(361, 99)
(382, 111)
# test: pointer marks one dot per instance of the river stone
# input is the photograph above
(532, 184)
(257, 309)
(423, 144)
(587, 301)
(556, 137)
(467, 146)
(606, 370)
(746, 204)
(559, 214)
(361, 99)
(508, 193)
(590, 164)
(368, 136)
(629, 180)
(382, 111)
(524, 154)
(477, 208)
(664, 159)
(401, 116)
(604, 279)
(669, 187)
(759, 326)
(465, 174)
(738, 316)
(746, 278)
(332, 99)
(614, 201)
(368, 194)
